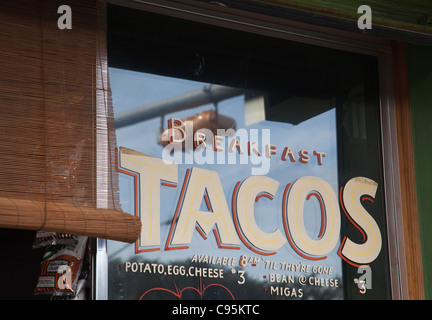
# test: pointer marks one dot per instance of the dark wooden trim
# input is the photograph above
(411, 230)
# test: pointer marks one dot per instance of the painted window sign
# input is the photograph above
(205, 185)
(260, 194)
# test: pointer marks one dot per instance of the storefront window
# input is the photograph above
(254, 164)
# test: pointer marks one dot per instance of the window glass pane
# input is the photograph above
(275, 187)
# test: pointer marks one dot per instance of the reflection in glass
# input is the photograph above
(285, 142)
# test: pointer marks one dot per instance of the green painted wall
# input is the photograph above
(400, 14)
(420, 82)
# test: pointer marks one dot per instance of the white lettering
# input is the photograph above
(330, 216)
(151, 172)
(203, 181)
(248, 193)
(228, 230)
(353, 193)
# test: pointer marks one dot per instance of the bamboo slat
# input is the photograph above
(68, 218)
(56, 127)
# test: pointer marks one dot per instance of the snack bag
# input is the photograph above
(47, 238)
(43, 239)
(61, 267)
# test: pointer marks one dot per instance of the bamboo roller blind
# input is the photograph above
(57, 138)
